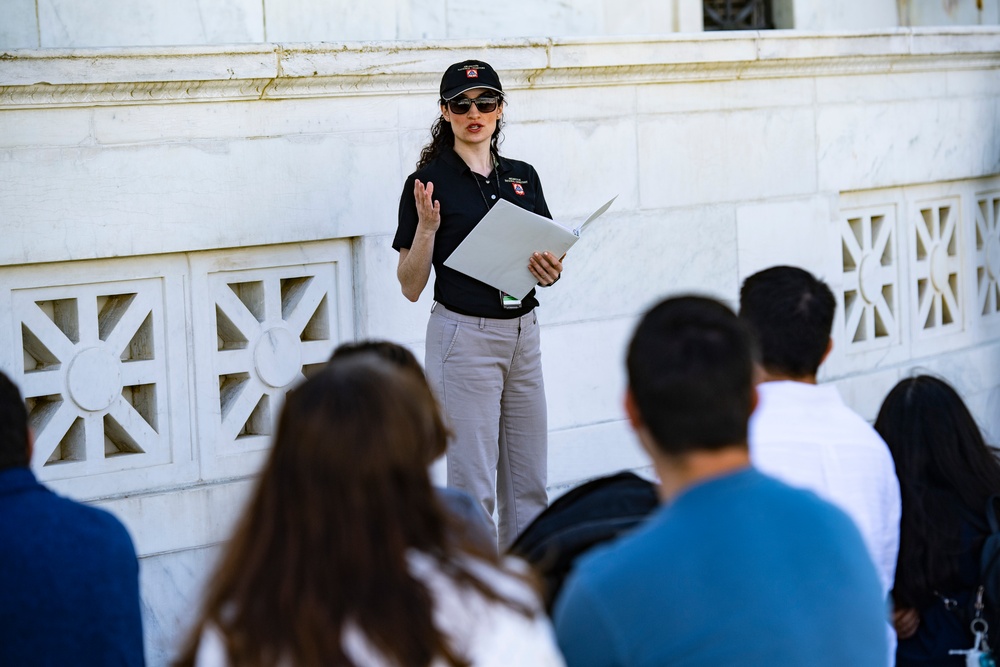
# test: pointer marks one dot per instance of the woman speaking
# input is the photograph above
(482, 356)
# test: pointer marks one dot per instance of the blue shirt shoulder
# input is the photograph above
(740, 569)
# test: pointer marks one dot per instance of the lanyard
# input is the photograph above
(496, 185)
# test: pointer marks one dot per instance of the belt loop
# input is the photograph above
(433, 306)
(482, 323)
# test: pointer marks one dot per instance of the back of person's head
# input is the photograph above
(391, 352)
(353, 425)
(935, 440)
(940, 458)
(14, 450)
(690, 374)
(342, 500)
(791, 314)
(403, 359)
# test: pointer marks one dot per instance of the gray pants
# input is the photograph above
(487, 373)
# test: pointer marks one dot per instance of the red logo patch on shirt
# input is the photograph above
(471, 74)
(518, 190)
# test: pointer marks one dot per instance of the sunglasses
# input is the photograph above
(461, 105)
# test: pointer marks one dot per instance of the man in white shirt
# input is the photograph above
(803, 433)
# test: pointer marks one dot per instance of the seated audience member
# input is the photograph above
(803, 433)
(69, 579)
(343, 556)
(946, 474)
(735, 568)
(469, 519)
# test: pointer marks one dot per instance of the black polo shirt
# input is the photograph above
(465, 198)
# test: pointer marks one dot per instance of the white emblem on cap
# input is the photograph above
(471, 74)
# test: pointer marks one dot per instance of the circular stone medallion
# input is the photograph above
(939, 267)
(993, 256)
(869, 278)
(277, 357)
(94, 379)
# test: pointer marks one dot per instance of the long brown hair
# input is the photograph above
(443, 138)
(342, 500)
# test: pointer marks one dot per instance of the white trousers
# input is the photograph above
(487, 374)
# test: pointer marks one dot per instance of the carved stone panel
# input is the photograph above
(923, 281)
(105, 353)
(93, 360)
(870, 277)
(261, 327)
(103, 375)
(987, 254)
(936, 267)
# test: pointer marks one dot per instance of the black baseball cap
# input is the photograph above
(467, 75)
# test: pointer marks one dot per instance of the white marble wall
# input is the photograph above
(851, 15)
(60, 24)
(170, 215)
(868, 14)
(949, 12)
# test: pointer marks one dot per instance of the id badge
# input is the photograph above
(509, 302)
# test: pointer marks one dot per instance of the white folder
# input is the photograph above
(497, 250)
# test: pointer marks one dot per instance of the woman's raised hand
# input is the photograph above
(428, 210)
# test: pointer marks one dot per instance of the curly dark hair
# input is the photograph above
(443, 138)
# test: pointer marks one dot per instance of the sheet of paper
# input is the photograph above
(594, 216)
(496, 252)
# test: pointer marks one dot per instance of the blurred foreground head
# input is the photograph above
(402, 359)
(342, 501)
(690, 375)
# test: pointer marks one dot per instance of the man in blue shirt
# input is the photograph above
(736, 568)
(69, 579)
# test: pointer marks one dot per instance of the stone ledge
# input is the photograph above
(88, 77)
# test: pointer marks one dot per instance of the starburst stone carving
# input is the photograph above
(868, 252)
(936, 268)
(93, 376)
(988, 255)
(272, 327)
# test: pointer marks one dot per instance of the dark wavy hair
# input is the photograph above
(443, 138)
(946, 475)
(323, 544)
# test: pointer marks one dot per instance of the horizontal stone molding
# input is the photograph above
(41, 78)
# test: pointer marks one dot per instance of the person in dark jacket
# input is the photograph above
(68, 573)
(946, 476)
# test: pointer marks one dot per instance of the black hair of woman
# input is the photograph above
(946, 475)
